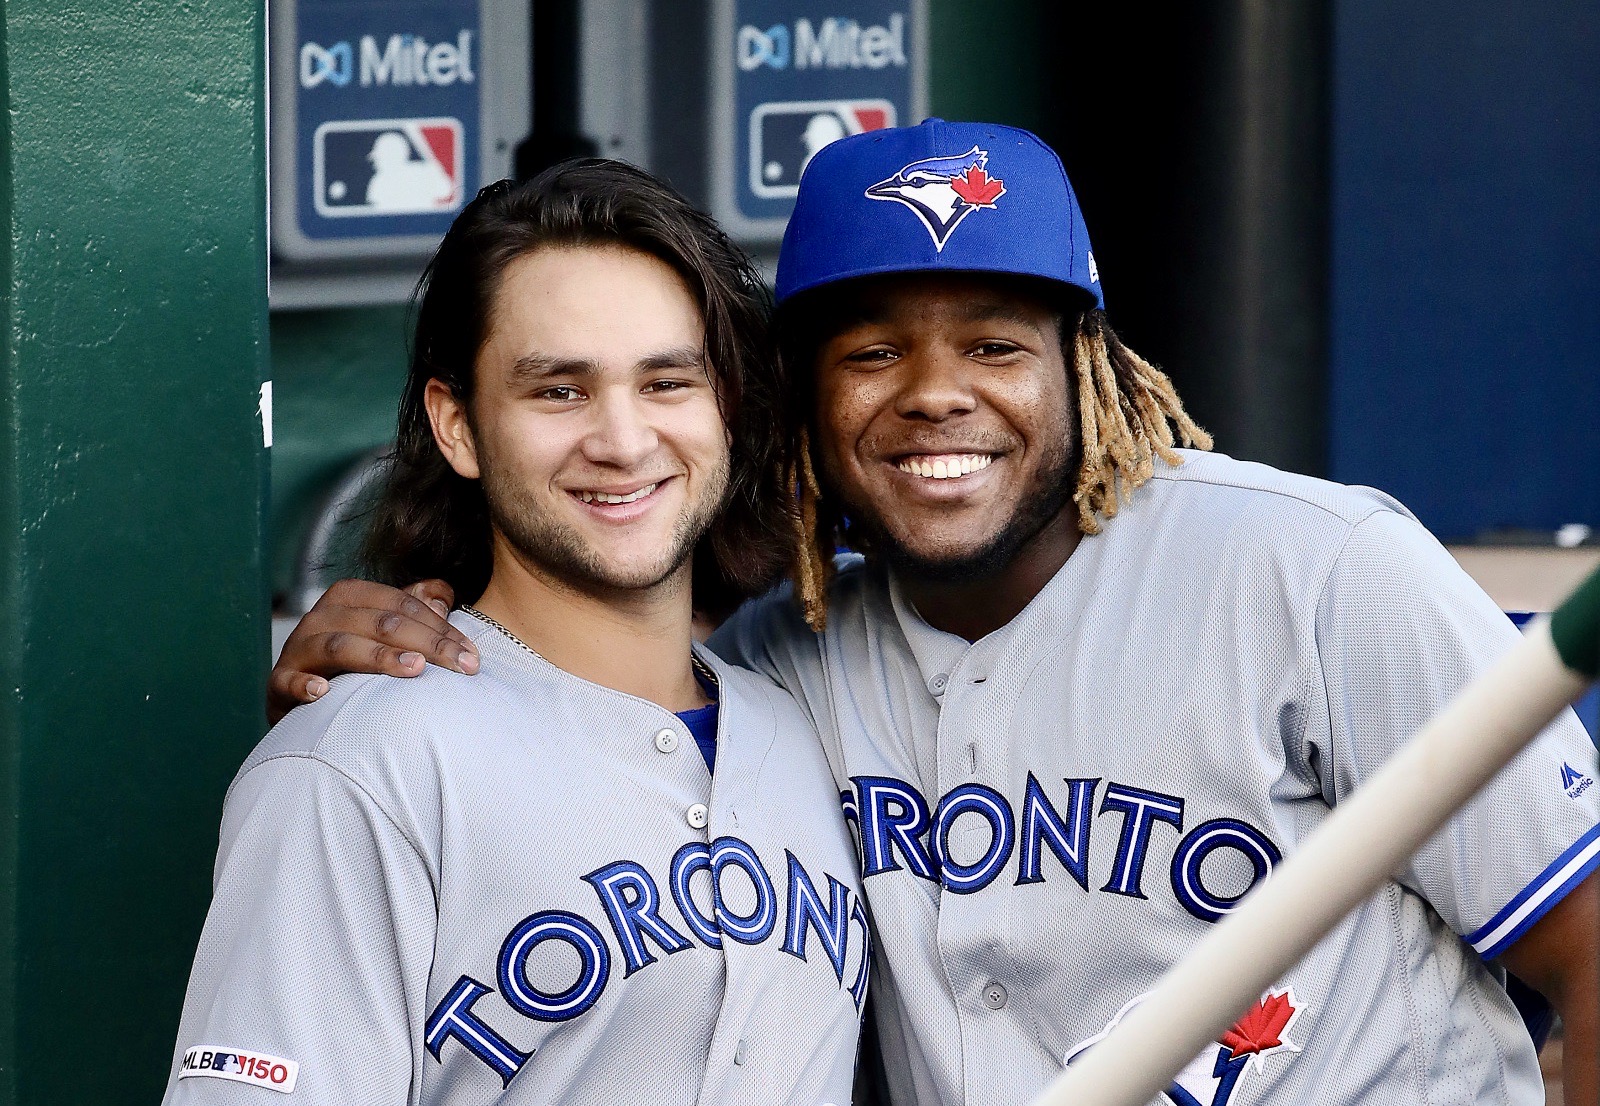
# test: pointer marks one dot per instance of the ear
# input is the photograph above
(451, 431)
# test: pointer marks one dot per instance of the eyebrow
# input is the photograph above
(533, 367)
(980, 311)
(1000, 311)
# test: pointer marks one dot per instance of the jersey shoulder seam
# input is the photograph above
(311, 753)
(314, 757)
(1316, 636)
(1333, 751)
(1175, 474)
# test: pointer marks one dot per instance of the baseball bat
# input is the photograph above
(1344, 861)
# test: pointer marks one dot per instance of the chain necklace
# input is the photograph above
(700, 666)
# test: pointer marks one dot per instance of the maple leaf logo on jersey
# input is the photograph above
(1212, 1077)
(942, 191)
(1264, 1027)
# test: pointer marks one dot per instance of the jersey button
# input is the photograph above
(994, 996)
(938, 682)
(697, 816)
(666, 740)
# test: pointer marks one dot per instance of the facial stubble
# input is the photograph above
(1050, 493)
(562, 553)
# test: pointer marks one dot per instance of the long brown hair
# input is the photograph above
(431, 522)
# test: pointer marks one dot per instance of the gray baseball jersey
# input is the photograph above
(525, 888)
(1050, 817)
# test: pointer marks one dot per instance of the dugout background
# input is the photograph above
(1361, 234)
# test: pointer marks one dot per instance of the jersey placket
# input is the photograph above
(976, 771)
(975, 907)
(739, 763)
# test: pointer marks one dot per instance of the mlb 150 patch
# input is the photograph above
(387, 166)
(240, 1065)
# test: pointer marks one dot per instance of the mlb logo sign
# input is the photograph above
(785, 136)
(371, 167)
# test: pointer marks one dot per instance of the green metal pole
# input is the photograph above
(132, 486)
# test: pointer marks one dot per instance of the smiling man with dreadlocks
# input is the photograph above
(1087, 686)
(1128, 413)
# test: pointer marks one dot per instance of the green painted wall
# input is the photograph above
(337, 381)
(132, 491)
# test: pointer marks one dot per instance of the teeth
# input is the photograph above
(607, 497)
(947, 467)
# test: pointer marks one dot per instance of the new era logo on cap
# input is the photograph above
(942, 191)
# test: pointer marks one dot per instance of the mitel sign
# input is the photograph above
(377, 125)
(403, 60)
(789, 78)
(835, 43)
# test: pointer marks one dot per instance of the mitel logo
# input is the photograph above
(332, 64)
(769, 47)
(1574, 781)
(834, 44)
(403, 61)
(240, 1066)
(942, 191)
(1213, 1077)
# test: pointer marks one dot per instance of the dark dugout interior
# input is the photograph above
(1196, 137)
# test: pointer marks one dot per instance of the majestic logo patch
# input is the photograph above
(241, 1066)
(1574, 782)
(1212, 1078)
(942, 191)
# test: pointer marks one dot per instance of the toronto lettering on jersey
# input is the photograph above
(898, 831)
(635, 913)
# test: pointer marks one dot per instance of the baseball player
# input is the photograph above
(1087, 688)
(532, 887)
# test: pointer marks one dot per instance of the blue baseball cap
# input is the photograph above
(937, 197)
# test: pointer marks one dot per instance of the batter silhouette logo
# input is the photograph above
(1213, 1078)
(786, 135)
(942, 191)
(372, 167)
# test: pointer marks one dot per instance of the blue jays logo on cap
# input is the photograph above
(968, 198)
(942, 191)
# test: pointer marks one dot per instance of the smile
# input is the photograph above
(610, 498)
(945, 466)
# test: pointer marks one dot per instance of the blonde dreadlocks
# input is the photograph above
(1127, 411)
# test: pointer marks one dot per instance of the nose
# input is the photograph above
(936, 385)
(621, 434)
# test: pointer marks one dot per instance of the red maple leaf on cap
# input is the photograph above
(976, 187)
(1261, 1027)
